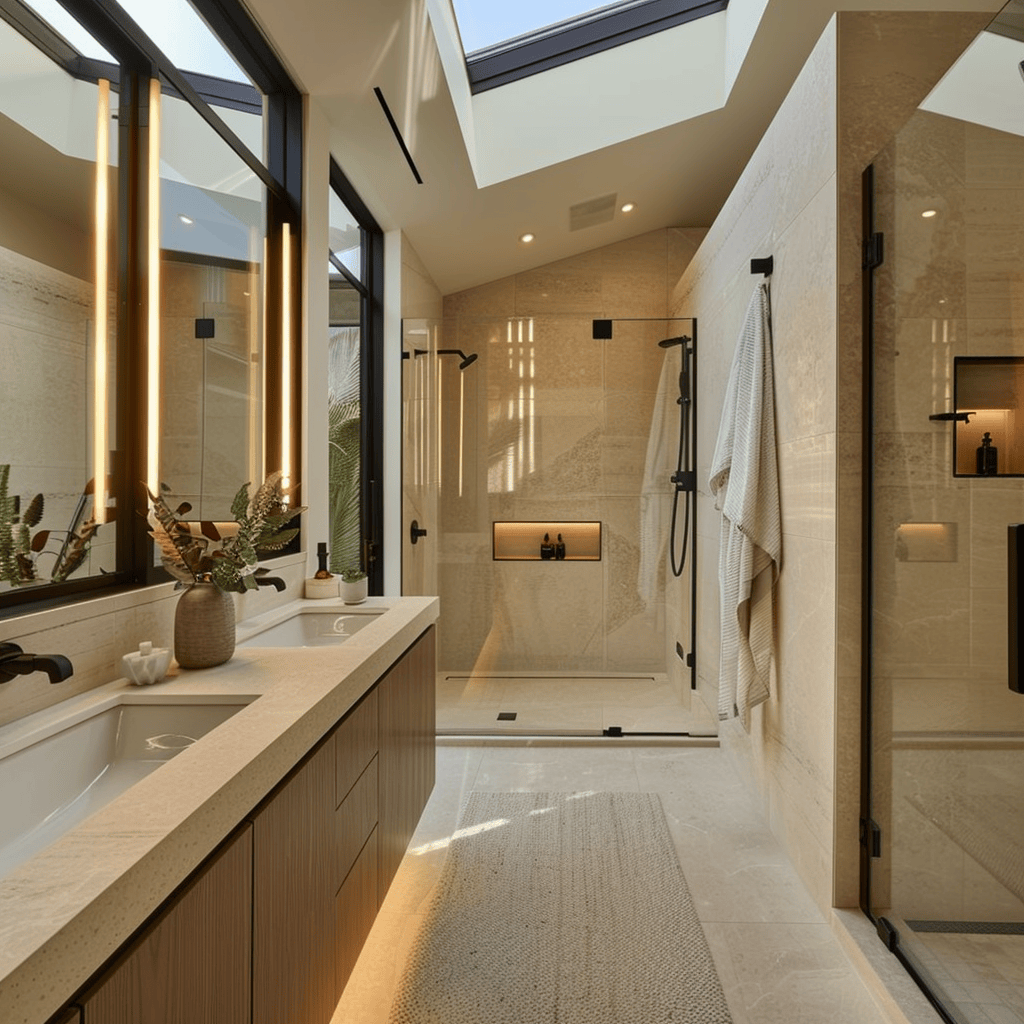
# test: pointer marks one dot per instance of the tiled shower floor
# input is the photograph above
(563, 705)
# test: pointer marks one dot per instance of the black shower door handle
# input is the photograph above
(1015, 625)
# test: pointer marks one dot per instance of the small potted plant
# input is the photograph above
(353, 585)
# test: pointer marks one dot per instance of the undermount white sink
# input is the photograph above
(69, 768)
(312, 629)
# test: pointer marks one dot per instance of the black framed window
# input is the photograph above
(355, 383)
(155, 220)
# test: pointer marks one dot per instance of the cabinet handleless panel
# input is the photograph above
(356, 739)
(355, 910)
(406, 751)
(193, 963)
(354, 820)
(293, 844)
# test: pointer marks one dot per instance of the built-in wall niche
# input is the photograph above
(988, 392)
(539, 541)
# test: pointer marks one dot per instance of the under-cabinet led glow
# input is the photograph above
(101, 217)
(153, 294)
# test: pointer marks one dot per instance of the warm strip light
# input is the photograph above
(153, 295)
(286, 355)
(101, 215)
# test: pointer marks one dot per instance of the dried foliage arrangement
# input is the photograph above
(20, 547)
(187, 549)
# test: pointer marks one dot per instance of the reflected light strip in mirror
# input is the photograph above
(101, 215)
(254, 346)
(153, 296)
(286, 357)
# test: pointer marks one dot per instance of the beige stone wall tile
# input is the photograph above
(995, 228)
(573, 285)
(807, 486)
(497, 298)
(420, 296)
(633, 280)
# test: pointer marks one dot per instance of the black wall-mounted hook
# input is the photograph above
(763, 265)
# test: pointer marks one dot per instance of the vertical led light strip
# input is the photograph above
(100, 231)
(153, 294)
(286, 355)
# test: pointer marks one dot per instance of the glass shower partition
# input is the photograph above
(946, 819)
(521, 427)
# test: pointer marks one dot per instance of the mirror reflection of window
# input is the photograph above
(212, 230)
(58, 302)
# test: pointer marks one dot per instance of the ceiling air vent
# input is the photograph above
(593, 211)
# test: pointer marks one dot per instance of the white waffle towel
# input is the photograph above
(745, 482)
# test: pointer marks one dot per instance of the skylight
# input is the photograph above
(484, 23)
(173, 25)
(503, 43)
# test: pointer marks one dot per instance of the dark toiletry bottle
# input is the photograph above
(988, 457)
(547, 549)
(560, 548)
(322, 572)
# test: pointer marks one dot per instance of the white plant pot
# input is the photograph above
(353, 593)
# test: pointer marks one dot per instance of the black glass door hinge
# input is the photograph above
(873, 251)
(871, 836)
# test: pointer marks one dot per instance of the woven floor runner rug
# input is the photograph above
(559, 908)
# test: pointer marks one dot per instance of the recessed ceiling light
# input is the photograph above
(628, 207)
(929, 213)
(185, 219)
(527, 238)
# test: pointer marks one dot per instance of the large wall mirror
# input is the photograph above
(159, 347)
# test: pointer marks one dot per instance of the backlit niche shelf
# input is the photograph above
(521, 542)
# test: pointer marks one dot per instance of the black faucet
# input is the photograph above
(271, 581)
(15, 662)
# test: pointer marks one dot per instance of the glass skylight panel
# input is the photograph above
(184, 37)
(65, 25)
(483, 23)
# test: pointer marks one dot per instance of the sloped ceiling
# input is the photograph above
(679, 175)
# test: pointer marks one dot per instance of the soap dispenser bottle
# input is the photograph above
(560, 548)
(988, 457)
(547, 549)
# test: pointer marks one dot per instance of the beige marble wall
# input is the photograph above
(422, 308)
(550, 425)
(798, 200)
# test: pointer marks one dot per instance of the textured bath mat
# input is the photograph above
(558, 908)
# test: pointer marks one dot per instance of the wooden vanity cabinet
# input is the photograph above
(191, 964)
(270, 927)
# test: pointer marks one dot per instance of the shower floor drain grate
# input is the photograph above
(507, 716)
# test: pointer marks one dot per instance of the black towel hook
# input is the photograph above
(762, 266)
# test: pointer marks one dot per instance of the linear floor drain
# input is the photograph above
(507, 716)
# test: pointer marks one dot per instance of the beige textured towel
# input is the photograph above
(745, 481)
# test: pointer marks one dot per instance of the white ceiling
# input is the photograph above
(678, 175)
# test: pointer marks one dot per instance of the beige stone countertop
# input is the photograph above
(65, 911)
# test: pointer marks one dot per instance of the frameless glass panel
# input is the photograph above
(947, 732)
(58, 302)
(179, 31)
(65, 25)
(212, 231)
(483, 23)
(568, 634)
(345, 238)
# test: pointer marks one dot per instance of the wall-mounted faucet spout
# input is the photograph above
(15, 662)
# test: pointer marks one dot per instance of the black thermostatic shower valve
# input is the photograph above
(204, 327)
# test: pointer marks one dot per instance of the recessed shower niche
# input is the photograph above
(988, 431)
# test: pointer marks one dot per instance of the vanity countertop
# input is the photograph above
(68, 909)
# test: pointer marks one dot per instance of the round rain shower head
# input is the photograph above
(466, 360)
(672, 342)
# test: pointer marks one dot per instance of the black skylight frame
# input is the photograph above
(555, 45)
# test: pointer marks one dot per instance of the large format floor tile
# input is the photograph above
(777, 958)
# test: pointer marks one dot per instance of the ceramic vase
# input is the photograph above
(204, 626)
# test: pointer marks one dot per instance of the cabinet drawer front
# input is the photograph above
(354, 820)
(355, 909)
(356, 744)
